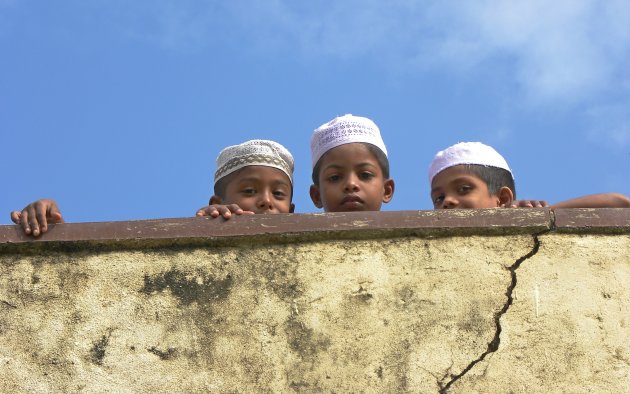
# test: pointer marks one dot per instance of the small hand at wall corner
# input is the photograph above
(528, 204)
(226, 211)
(36, 216)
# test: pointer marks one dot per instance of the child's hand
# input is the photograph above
(34, 218)
(528, 204)
(226, 211)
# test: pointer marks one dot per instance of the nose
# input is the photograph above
(449, 202)
(352, 184)
(265, 202)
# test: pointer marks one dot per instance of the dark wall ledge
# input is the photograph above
(348, 225)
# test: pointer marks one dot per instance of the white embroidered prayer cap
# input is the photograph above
(344, 130)
(254, 153)
(466, 153)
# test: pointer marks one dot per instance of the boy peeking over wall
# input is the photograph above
(474, 175)
(253, 177)
(350, 166)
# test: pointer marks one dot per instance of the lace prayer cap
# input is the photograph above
(466, 153)
(344, 130)
(254, 153)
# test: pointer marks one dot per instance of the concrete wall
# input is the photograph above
(464, 301)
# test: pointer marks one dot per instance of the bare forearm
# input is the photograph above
(603, 200)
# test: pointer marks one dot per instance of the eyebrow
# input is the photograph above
(257, 179)
(363, 164)
(281, 183)
(251, 178)
(460, 178)
(366, 164)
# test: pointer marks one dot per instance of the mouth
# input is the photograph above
(352, 201)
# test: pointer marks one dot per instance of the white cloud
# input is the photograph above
(564, 50)
(560, 51)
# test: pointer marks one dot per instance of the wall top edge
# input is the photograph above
(331, 226)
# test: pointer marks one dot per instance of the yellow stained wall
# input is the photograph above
(400, 314)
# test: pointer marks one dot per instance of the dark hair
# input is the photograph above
(221, 185)
(494, 177)
(383, 162)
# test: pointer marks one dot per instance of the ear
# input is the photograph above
(292, 208)
(388, 190)
(315, 196)
(505, 196)
(215, 200)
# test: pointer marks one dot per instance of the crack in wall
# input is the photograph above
(7, 303)
(493, 345)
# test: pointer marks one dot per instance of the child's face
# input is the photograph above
(351, 179)
(259, 189)
(455, 187)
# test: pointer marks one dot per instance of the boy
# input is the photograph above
(474, 175)
(350, 166)
(253, 177)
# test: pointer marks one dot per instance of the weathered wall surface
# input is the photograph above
(517, 301)
(568, 329)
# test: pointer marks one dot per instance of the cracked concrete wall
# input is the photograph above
(569, 327)
(405, 314)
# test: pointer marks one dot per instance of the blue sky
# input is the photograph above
(118, 109)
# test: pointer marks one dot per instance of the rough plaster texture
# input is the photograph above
(569, 327)
(406, 314)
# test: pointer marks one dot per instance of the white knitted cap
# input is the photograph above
(344, 130)
(254, 153)
(466, 153)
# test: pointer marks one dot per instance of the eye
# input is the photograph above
(438, 199)
(366, 175)
(249, 191)
(279, 194)
(464, 189)
(333, 178)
